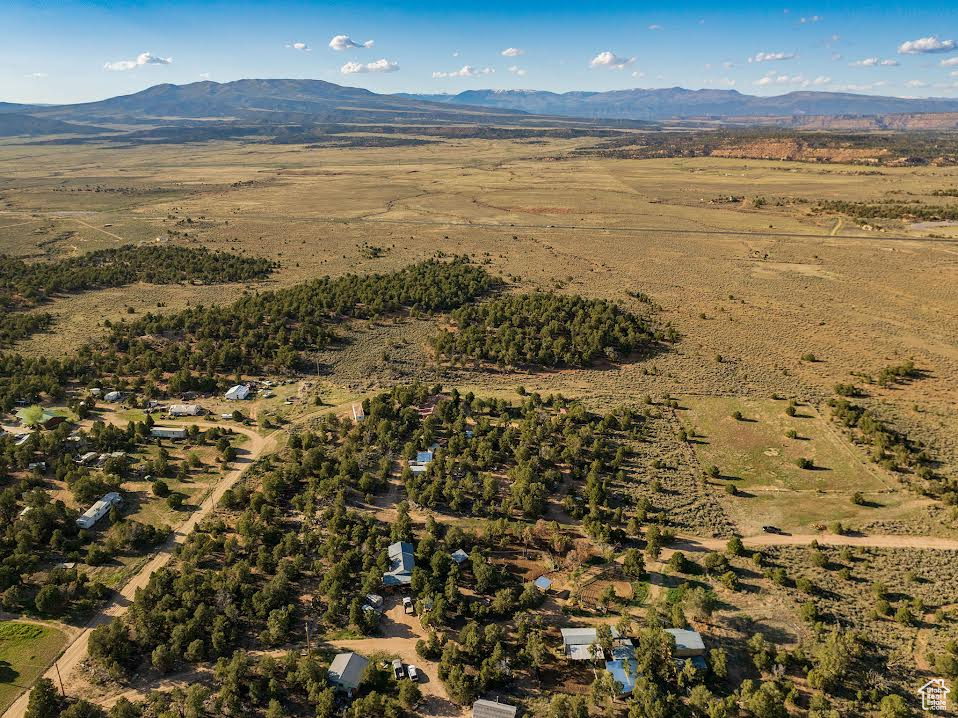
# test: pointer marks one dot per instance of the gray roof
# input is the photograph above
(401, 564)
(346, 670)
(492, 709)
(686, 641)
(582, 636)
(543, 583)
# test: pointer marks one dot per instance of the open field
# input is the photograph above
(26, 649)
(752, 288)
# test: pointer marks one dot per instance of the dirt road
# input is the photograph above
(697, 543)
(76, 651)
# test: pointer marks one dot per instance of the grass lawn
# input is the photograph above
(26, 649)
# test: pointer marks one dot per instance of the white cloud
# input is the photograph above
(299, 46)
(37, 75)
(655, 27)
(772, 56)
(916, 83)
(950, 62)
(925, 45)
(512, 52)
(204, 76)
(728, 65)
(355, 68)
(808, 20)
(341, 43)
(774, 78)
(464, 71)
(638, 74)
(861, 88)
(836, 56)
(516, 70)
(611, 61)
(953, 73)
(874, 62)
(144, 58)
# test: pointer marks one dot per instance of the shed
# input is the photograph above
(483, 708)
(346, 671)
(687, 643)
(100, 509)
(424, 457)
(238, 392)
(401, 564)
(186, 410)
(459, 556)
(168, 432)
(113, 396)
(543, 583)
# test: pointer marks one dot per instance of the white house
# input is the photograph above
(186, 410)
(238, 392)
(100, 509)
(168, 432)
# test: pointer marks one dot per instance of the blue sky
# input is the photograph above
(77, 50)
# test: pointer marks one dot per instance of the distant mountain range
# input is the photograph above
(310, 103)
(677, 102)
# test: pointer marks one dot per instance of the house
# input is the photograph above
(238, 392)
(346, 672)
(100, 509)
(168, 432)
(46, 419)
(87, 458)
(186, 410)
(358, 413)
(493, 709)
(401, 564)
(687, 643)
(459, 556)
(543, 583)
(424, 457)
(580, 644)
(113, 396)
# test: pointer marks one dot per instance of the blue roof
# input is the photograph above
(401, 563)
(543, 583)
(624, 678)
(423, 457)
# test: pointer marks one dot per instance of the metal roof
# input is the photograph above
(347, 669)
(492, 709)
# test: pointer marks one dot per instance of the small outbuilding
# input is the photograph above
(543, 583)
(346, 672)
(238, 392)
(483, 708)
(459, 556)
(581, 644)
(113, 396)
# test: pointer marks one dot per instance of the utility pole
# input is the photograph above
(309, 647)
(59, 678)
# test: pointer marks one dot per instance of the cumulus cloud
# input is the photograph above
(774, 78)
(341, 43)
(37, 75)
(516, 70)
(610, 61)
(356, 68)
(926, 45)
(655, 27)
(809, 20)
(512, 52)
(299, 46)
(916, 83)
(950, 62)
(464, 71)
(772, 56)
(874, 62)
(144, 58)
(638, 73)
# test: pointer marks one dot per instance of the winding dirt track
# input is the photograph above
(76, 651)
(257, 445)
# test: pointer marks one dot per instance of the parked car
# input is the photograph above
(398, 669)
(407, 605)
(413, 673)
(771, 529)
